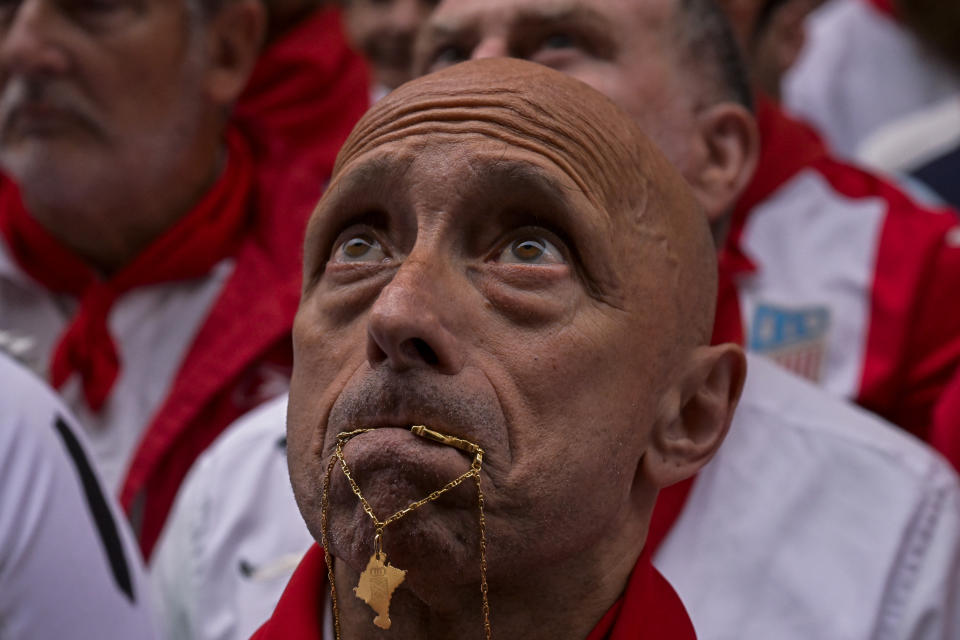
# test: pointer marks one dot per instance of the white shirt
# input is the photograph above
(859, 69)
(152, 327)
(57, 579)
(815, 521)
(920, 137)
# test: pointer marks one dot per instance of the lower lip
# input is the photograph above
(397, 450)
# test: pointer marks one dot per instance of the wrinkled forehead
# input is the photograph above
(580, 132)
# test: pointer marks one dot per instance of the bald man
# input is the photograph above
(870, 498)
(540, 291)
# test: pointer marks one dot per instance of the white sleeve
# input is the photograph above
(69, 567)
(923, 596)
(175, 560)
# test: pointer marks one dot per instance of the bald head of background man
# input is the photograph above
(503, 256)
(668, 63)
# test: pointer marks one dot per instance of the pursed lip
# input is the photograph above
(407, 424)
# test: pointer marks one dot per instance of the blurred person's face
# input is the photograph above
(622, 48)
(384, 31)
(628, 50)
(771, 35)
(96, 94)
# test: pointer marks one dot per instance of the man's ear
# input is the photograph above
(730, 145)
(695, 417)
(234, 40)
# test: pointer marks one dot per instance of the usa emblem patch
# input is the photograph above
(794, 338)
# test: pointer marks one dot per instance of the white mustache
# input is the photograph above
(22, 91)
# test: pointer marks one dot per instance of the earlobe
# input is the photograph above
(731, 146)
(236, 36)
(695, 418)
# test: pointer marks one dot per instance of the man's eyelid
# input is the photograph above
(532, 232)
(358, 230)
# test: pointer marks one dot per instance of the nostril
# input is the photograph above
(426, 353)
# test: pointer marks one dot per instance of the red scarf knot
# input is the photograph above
(189, 249)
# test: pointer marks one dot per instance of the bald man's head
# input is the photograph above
(503, 256)
(585, 135)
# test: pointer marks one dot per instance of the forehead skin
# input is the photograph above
(571, 127)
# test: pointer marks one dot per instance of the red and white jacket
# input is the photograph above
(198, 354)
(842, 278)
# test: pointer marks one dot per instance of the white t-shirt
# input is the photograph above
(69, 567)
(152, 327)
(814, 521)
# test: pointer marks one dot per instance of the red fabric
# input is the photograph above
(885, 7)
(649, 608)
(913, 342)
(946, 430)
(188, 250)
(787, 147)
(306, 93)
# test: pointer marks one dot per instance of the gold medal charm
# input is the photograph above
(379, 580)
(377, 584)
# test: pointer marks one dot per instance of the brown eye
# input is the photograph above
(359, 248)
(527, 250)
(531, 250)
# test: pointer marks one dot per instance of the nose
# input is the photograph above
(410, 323)
(491, 47)
(28, 39)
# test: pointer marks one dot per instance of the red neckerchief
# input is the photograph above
(189, 249)
(885, 7)
(306, 92)
(648, 609)
(787, 147)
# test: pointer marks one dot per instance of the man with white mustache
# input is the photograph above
(141, 253)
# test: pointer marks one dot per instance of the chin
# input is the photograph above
(434, 544)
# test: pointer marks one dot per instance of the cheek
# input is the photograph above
(323, 355)
(580, 389)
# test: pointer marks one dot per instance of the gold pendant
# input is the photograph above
(377, 584)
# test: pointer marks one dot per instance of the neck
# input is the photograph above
(563, 600)
(109, 226)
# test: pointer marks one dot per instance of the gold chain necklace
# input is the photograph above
(379, 580)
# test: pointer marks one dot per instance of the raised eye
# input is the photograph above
(359, 248)
(531, 250)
